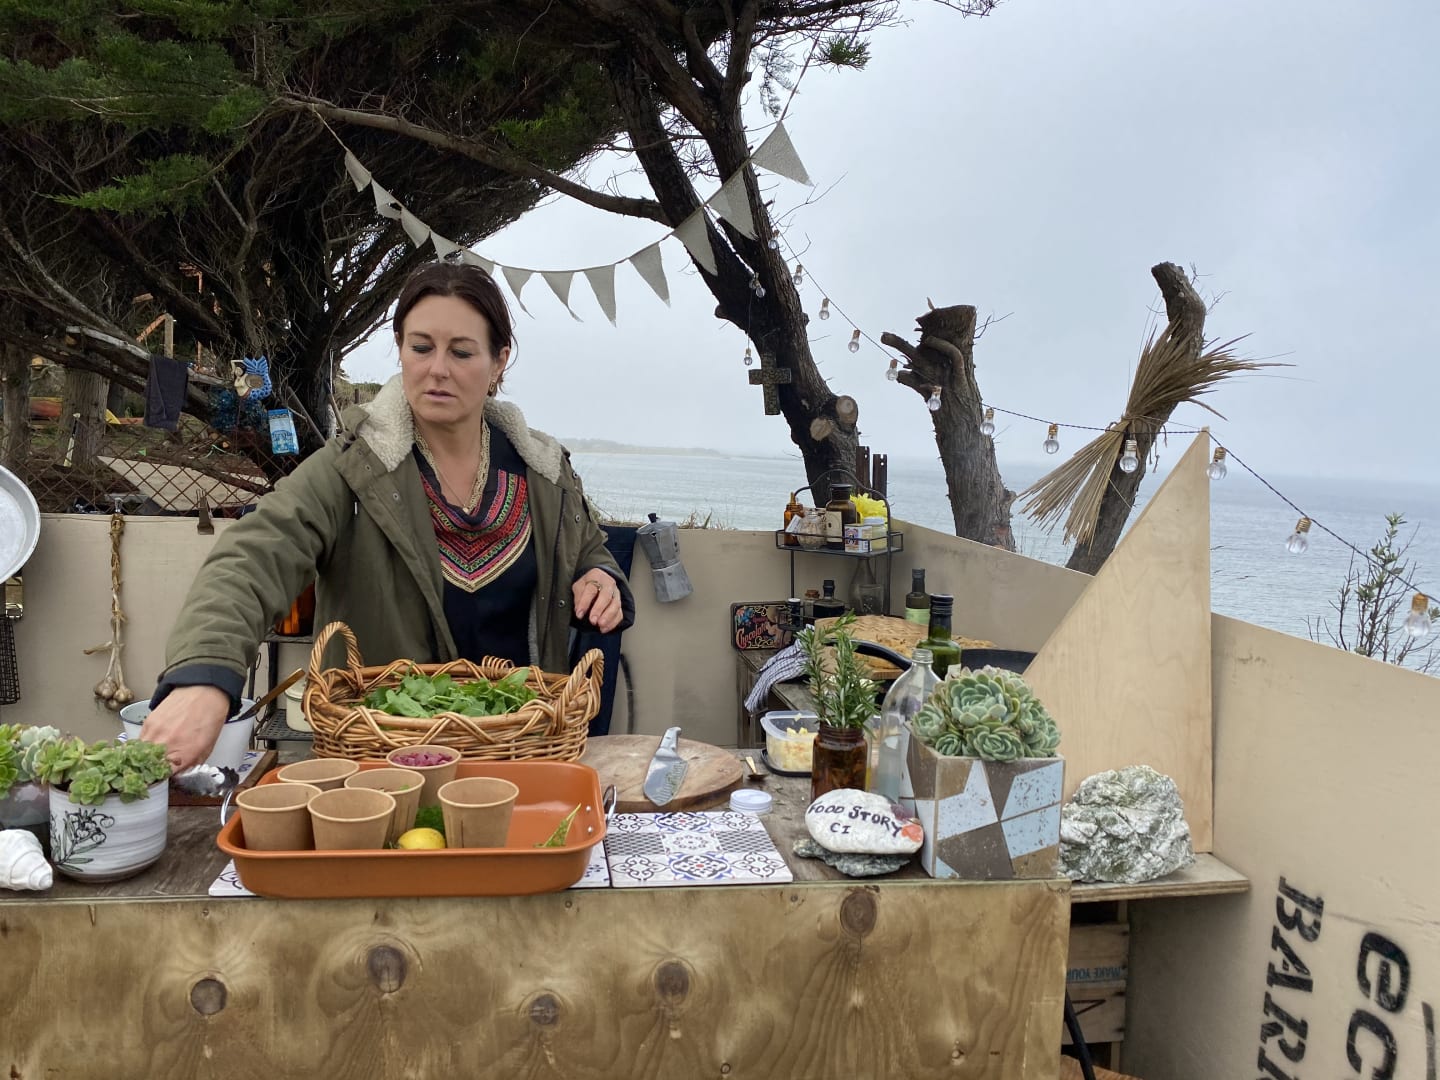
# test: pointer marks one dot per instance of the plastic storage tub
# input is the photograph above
(787, 752)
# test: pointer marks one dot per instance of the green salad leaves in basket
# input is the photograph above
(424, 696)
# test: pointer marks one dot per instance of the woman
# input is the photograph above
(438, 526)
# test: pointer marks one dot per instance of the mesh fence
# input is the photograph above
(133, 469)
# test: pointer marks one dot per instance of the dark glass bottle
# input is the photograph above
(827, 606)
(940, 641)
(794, 619)
(839, 512)
(917, 600)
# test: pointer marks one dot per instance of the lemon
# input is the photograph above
(421, 840)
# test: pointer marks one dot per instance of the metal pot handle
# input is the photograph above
(225, 806)
(609, 799)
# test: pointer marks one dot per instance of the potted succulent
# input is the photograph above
(984, 747)
(22, 798)
(844, 705)
(108, 806)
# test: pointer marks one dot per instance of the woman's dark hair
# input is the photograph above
(468, 283)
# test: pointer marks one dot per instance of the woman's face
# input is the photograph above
(446, 366)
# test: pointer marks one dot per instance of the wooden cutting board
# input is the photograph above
(623, 760)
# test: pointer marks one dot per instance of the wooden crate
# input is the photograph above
(1096, 972)
(1070, 1070)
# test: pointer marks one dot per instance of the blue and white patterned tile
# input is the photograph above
(597, 870)
(228, 883)
(700, 848)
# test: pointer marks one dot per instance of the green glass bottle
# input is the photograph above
(917, 600)
(940, 641)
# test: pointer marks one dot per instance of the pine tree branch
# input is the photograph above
(486, 155)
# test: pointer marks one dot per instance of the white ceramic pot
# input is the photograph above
(294, 707)
(111, 841)
(230, 747)
(25, 805)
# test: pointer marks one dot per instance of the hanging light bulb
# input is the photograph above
(933, 401)
(756, 287)
(1052, 442)
(749, 359)
(1299, 543)
(893, 371)
(799, 276)
(825, 308)
(855, 341)
(1417, 623)
(774, 240)
(987, 426)
(1216, 469)
(1130, 459)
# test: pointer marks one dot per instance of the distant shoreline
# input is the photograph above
(606, 446)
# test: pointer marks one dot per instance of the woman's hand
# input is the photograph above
(188, 722)
(597, 598)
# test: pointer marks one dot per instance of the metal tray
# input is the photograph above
(19, 524)
(548, 791)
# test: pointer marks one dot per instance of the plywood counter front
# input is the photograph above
(823, 978)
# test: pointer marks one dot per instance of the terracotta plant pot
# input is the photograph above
(436, 776)
(327, 774)
(477, 811)
(351, 819)
(403, 785)
(276, 817)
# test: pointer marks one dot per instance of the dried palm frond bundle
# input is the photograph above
(1170, 372)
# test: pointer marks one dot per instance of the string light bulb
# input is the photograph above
(933, 401)
(1417, 623)
(825, 308)
(1299, 542)
(1130, 459)
(893, 371)
(774, 241)
(1052, 440)
(855, 341)
(987, 426)
(749, 358)
(799, 276)
(756, 287)
(1216, 469)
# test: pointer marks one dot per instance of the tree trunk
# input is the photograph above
(945, 358)
(15, 371)
(82, 415)
(1186, 312)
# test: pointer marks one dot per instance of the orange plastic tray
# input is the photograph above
(548, 791)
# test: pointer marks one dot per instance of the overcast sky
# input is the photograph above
(1036, 163)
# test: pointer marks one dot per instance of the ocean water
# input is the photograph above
(1254, 577)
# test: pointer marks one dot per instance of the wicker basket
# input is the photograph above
(550, 728)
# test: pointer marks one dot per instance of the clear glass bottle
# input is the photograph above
(891, 736)
(917, 600)
(867, 592)
(940, 641)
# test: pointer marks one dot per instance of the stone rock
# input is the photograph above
(1124, 826)
(851, 865)
(859, 822)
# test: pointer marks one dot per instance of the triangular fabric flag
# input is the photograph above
(649, 266)
(386, 205)
(414, 228)
(602, 281)
(446, 249)
(469, 258)
(516, 279)
(559, 282)
(732, 203)
(359, 175)
(777, 154)
(691, 233)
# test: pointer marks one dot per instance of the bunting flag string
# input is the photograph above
(731, 203)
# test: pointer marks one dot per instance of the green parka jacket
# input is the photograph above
(354, 518)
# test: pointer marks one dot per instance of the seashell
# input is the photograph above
(22, 861)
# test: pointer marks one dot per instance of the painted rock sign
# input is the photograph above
(859, 822)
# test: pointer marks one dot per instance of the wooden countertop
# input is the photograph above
(192, 861)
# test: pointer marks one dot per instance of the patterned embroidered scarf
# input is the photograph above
(477, 548)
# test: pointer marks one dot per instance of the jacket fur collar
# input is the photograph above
(389, 428)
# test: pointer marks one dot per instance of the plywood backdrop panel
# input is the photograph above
(913, 979)
(1127, 672)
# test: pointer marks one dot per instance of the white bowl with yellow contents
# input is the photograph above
(790, 740)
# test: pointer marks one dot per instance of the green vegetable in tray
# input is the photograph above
(557, 838)
(424, 696)
(431, 817)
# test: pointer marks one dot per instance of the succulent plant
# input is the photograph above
(990, 714)
(90, 773)
(20, 747)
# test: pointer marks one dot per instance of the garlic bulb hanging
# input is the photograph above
(22, 862)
